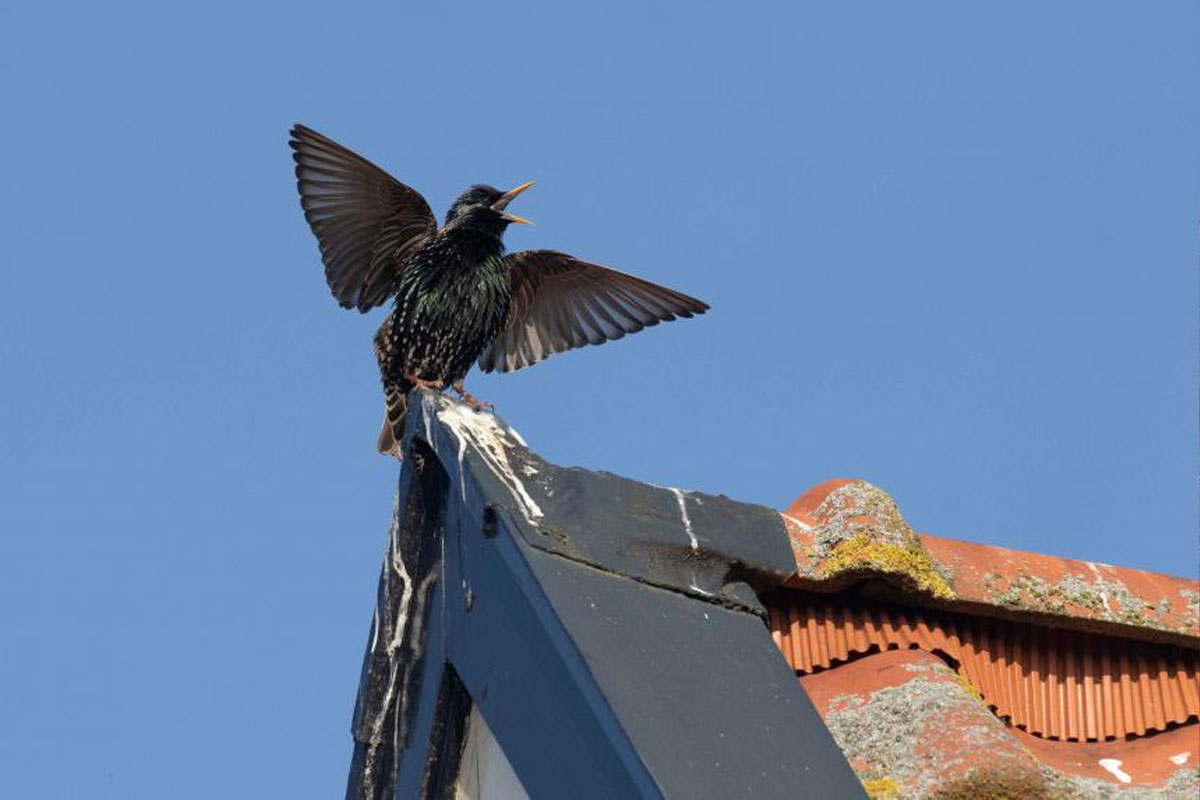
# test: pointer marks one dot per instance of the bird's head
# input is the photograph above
(482, 208)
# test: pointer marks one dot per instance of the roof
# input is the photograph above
(607, 632)
(912, 727)
(948, 668)
(611, 638)
(843, 530)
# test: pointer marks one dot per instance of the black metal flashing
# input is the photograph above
(447, 736)
(607, 630)
(394, 665)
(696, 543)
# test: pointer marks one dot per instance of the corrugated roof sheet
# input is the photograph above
(1053, 683)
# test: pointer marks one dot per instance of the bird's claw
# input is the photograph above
(421, 383)
(470, 399)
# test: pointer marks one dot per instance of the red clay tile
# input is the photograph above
(958, 669)
(910, 729)
(843, 531)
(1020, 669)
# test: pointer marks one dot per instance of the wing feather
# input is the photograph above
(366, 222)
(560, 302)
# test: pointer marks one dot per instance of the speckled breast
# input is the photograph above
(448, 314)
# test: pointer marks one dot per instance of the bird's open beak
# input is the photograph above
(507, 198)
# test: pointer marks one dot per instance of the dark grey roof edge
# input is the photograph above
(717, 549)
(599, 675)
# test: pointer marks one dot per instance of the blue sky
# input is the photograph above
(951, 250)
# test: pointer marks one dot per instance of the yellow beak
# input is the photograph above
(506, 198)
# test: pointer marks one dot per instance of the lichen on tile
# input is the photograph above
(1101, 598)
(1191, 601)
(895, 738)
(882, 729)
(881, 788)
(860, 529)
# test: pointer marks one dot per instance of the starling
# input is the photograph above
(459, 297)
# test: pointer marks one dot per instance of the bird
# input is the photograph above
(459, 298)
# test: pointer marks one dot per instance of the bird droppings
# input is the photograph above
(691, 534)
(407, 582)
(1113, 765)
(687, 522)
(1182, 785)
(804, 526)
(491, 440)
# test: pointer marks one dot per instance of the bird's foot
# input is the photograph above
(421, 383)
(469, 398)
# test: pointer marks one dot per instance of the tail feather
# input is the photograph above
(391, 438)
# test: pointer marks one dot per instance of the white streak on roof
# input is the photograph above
(1180, 758)
(406, 593)
(1100, 581)
(687, 522)
(491, 441)
(404, 609)
(804, 526)
(1113, 765)
(462, 451)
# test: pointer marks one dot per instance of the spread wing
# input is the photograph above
(366, 222)
(560, 303)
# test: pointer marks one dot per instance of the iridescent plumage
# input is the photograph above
(458, 297)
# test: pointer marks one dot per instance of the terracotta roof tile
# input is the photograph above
(911, 729)
(845, 530)
(1053, 683)
(951, 669)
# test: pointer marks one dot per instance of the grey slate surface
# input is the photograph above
(696, 543)
(608, 631)
(701, 690)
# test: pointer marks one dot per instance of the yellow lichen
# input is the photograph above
(965, 684)
(881, 788)
(861, 552)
